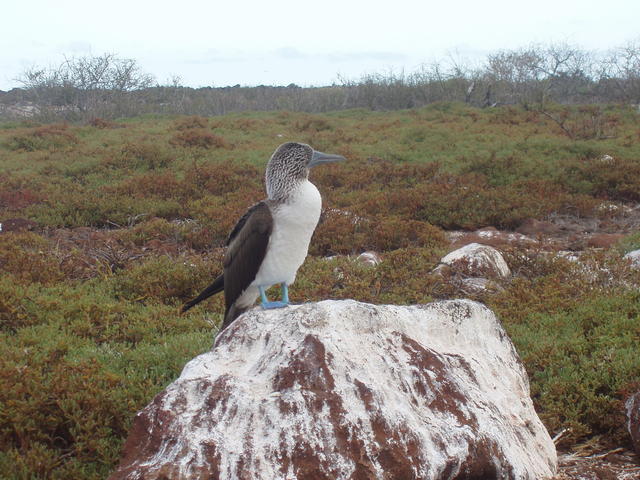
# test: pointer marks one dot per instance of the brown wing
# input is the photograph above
(248, 243)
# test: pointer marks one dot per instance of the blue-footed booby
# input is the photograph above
(271, 240)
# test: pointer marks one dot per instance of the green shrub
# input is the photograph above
(616, 179)
(629, 243)
(13, 314)
(76, 363)
(54, 137)
(575, 326)
(140, 155)
(164, 279)
(582, 359)
(99, 208)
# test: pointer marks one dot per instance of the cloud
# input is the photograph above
(77, 47)
(366, 57)
(292, 53)
(214, 55)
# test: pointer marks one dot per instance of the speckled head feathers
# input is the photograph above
(289, 165)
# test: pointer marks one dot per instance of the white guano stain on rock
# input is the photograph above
(347, 390)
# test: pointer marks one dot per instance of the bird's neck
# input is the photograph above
(286, 190)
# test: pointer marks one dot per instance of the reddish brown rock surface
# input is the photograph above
(342, 390)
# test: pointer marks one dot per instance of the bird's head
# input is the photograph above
(290, 164)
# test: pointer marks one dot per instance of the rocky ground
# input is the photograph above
(560, 232)
(618, 464)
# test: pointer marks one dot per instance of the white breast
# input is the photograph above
(293, 226)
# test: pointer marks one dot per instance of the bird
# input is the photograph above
(270, 242)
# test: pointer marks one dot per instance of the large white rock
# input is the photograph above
(346, 390)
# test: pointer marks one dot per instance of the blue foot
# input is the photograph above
(270, 305)
(266, 304)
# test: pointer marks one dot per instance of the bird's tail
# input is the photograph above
(216, 287)
(231, 313)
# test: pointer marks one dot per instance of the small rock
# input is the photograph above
(476, 260)
(634, 258)
(369, 258)
(608, 207)
(633, 419)
(568, 255)
(478, 285)
(489, 236)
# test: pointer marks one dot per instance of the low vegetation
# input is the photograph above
(126, 219)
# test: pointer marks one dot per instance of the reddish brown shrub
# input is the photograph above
(188, 123)
(27, 256)
(102, 123)
(246, 124)
(220, 178)
(374, 174)
(17, 199)
(164, 185)
(311, 124)
(55, 136)
(162, 236)
(618, 180)
(392, 233)
(140, 155)
(339, 232)
(198, 137)
(56, 130)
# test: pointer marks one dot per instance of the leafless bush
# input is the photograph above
(535, 77)
(620, 71)
(101, 86)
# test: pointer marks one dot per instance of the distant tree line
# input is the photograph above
(107, 86)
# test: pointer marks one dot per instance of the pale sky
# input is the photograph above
(219, 43)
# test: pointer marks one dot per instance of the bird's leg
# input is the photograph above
(285, 293)
(266, 304)
(263, 296)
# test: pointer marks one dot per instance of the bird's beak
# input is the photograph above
(318, 157)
